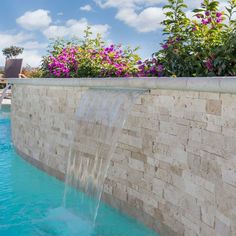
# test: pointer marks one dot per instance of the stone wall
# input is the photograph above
(175, 164)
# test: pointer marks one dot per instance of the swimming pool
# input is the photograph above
(31, 201)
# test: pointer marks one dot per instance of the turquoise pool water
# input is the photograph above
(31, 201)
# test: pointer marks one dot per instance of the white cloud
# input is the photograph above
(146, 21)
(86, 8)
(34, 45)
(128, 3)
(74, 28)
(32, 58)
(7, 39)
(34, 20)
(31, 54)
(143, 15)
(55, 31)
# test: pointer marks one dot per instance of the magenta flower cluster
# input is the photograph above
(114, 62)
(208, 17)
(69, 61)
(171, 42)
(209, 64)
(64, 63)
(150, 68)
(109, 61)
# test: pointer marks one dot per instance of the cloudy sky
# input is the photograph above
(31, 24)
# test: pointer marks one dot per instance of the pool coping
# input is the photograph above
(200, 84)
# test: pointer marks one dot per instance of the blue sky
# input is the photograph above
(31, 23)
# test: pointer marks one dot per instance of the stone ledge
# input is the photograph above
(200, 84)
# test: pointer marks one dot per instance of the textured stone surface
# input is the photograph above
(174, 167)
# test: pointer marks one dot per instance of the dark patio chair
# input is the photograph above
(13, 69)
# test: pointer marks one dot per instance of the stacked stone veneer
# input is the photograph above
(175, 164)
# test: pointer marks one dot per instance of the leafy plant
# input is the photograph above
(30, 72)
(12, 51)
(202, 46)
(89, 57)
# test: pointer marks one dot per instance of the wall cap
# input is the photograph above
(202, 84)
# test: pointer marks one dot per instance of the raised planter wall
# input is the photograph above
(175, 163)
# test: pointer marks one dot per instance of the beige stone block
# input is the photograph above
(120, 192)
(190, 206)
(191, 225)
(150, 210)
(213, 96)
(198, 180)
(208, 213)
(164, 175)
(229, 132)
(198, 191)
(212, 139)
(134, 176)
(130, 140)
(214, 107)
(165, 101)
(195, 134)
(206, 230)
(135, 202)
(189, 232)
(118, 171)
(173, 195)
(214, 128)
(108, 188)
(136, 164)
(229, 176)
(158, 187)
(195, 116)
(222, 225)
(196, 105)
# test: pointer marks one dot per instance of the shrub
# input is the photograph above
(203, 46)
(150, 68)
(12, 51)
(89, 58)
(30, 72)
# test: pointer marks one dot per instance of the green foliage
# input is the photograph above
(12, 51)
(89, 57)
(30, 72)
(203, 46)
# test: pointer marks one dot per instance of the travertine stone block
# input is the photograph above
(214, 107)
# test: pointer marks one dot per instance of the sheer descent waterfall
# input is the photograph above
(100, 118)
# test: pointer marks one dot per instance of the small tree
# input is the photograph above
(12, 51)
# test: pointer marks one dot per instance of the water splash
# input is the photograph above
(100, 118)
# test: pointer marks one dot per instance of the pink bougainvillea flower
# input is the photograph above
(209, 64)
(219, 20)
(209, 20)
(205, 22)
(165, 46)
